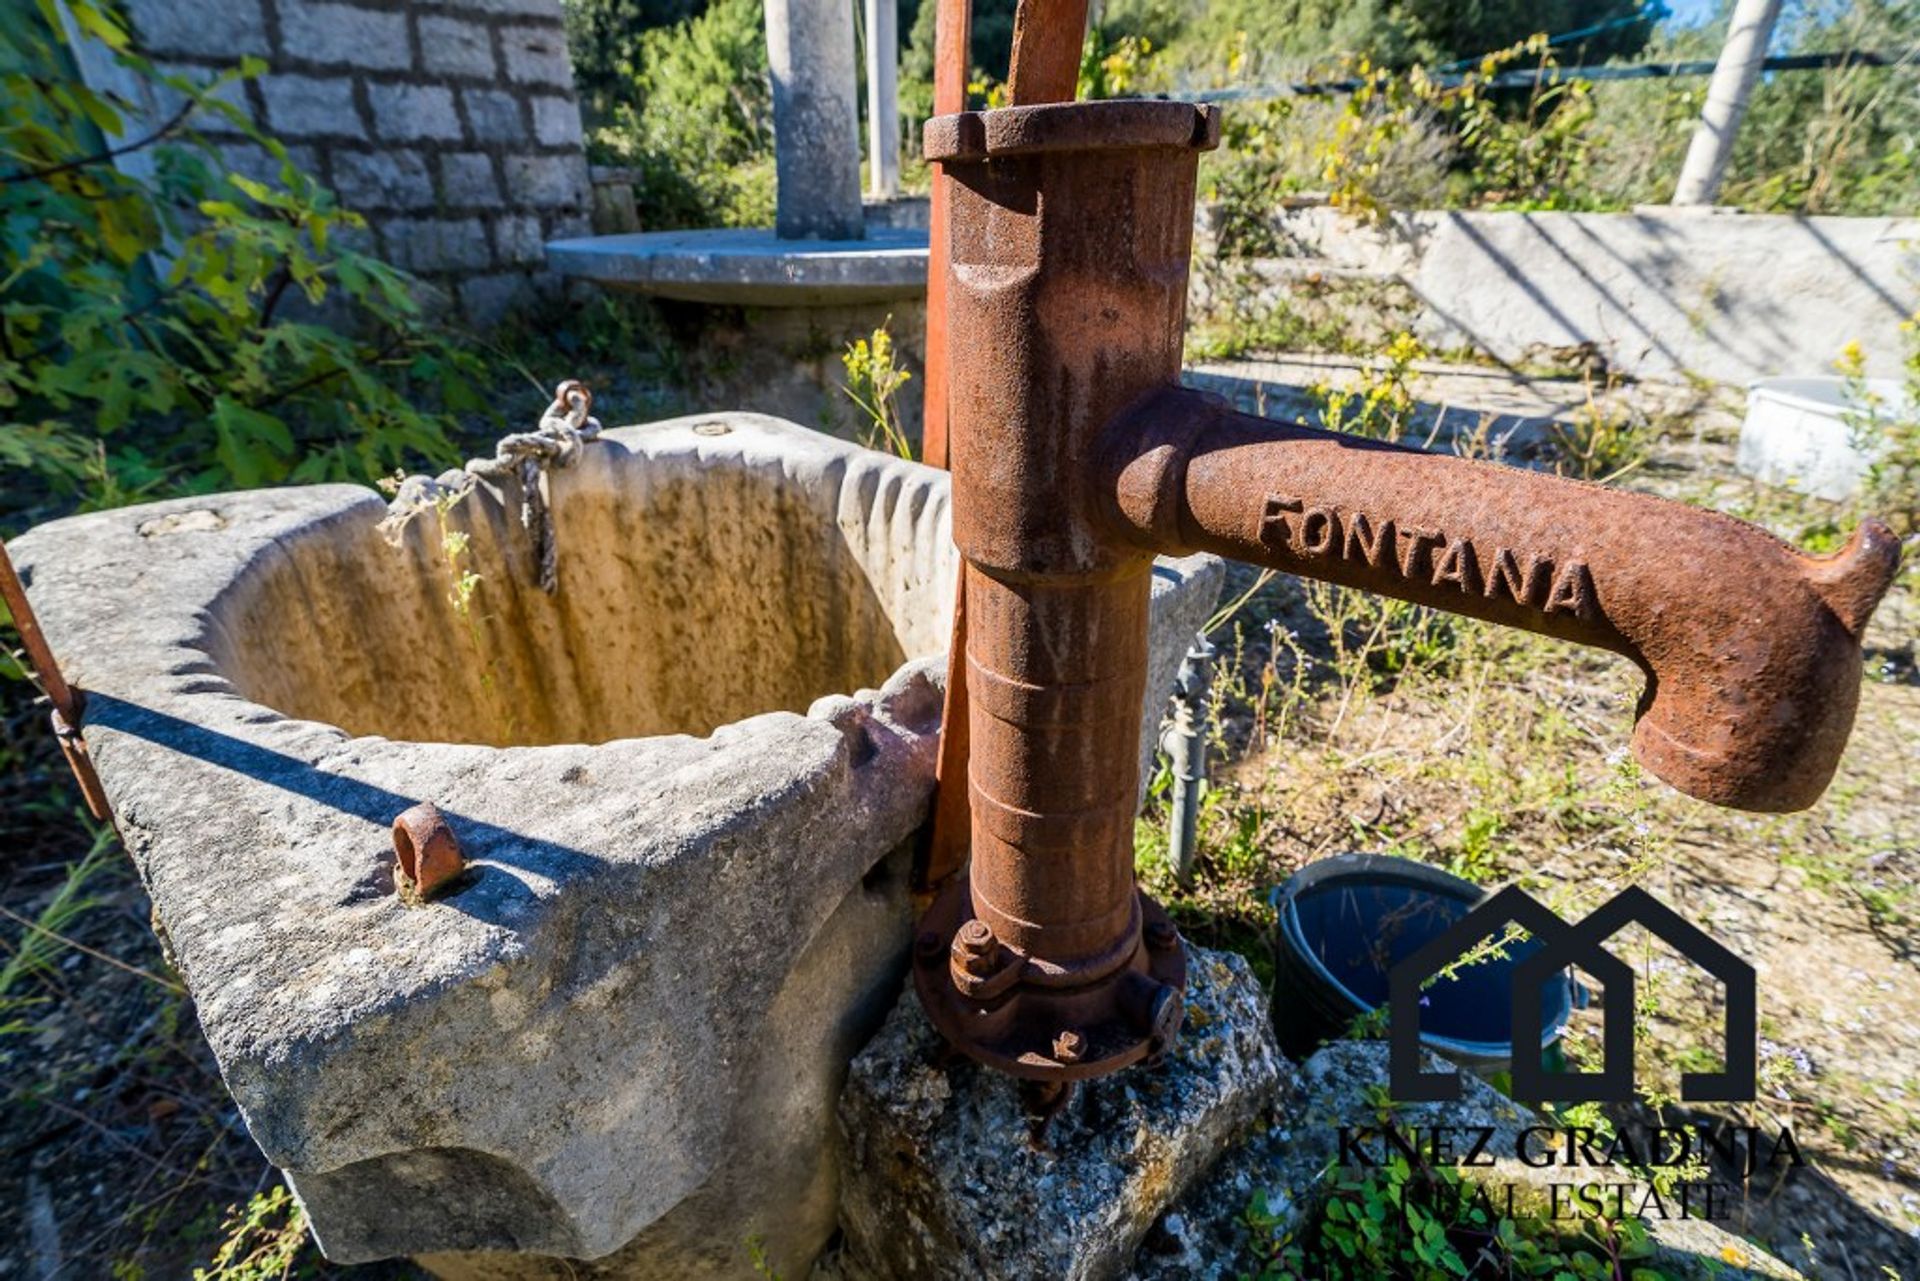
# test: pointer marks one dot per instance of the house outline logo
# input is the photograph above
(1563, 945)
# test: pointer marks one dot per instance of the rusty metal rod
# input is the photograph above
(953, 25)
(68, 703)
(1047, 38)
(39, 655)
(945, 850)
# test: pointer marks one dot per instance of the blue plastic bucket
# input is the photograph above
(1345, 922)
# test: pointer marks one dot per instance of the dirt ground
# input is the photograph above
(1498, 755)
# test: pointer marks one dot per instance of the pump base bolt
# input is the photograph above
(975, 950)
(427, 853)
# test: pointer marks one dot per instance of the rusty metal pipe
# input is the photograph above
(1751, 648)
(1069, 231)
(1076, 457)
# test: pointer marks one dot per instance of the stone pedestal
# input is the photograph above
(816, 122)
(941, 1178)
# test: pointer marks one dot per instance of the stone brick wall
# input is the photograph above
(451, 124)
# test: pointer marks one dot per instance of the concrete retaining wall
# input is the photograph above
(1660, 292)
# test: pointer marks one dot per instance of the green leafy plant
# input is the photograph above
(1533, 157)
(164, 332)
(1409, 1219)
(1887, 430)
(1114, 65)
(874, 379)
(1381, 404)
(603, 41)
(264, 1240)
(697, 121)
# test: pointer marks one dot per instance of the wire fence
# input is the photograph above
(1529, 76)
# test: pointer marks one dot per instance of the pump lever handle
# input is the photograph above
(1751, 647)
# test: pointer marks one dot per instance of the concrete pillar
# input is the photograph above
(883, 98)
(816, 120)
(1733, 77)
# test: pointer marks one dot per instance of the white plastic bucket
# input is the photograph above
(1797, 432)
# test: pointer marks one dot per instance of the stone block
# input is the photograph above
(547, 182)
(390, 178)
(1665, 292)
(210, 122)
(414, 112)
(563, 225)
(517, 239)
(556, 122)
(311, 107)
(494, 115)
(536, 55)
(466, 178)
(251, 160)
(344, 35)
(942, 1181)
(683, 783)
(515, 8)
(484, 300)
(226, 30)
(456, 47)
(437, 244)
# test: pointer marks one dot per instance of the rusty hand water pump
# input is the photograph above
(1077, 457)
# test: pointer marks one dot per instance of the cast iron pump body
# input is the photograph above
(1077, 457)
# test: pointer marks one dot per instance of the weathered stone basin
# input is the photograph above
(685, 783)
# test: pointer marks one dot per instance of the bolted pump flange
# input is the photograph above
(1022, 1022)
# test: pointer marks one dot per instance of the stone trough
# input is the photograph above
(685, 784)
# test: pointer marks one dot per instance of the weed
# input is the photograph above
(1605, 441)
(1382, 404)
(874, 378)
(1532, 159)
(1887, 431)
(44, 938)
(263, 1240)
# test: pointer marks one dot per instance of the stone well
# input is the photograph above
(685, 783)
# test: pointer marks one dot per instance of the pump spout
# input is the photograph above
(1751, 648)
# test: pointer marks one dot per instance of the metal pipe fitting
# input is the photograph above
(427, 854)
(1185, 743)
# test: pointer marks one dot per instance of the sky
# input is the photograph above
(1691, 13)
